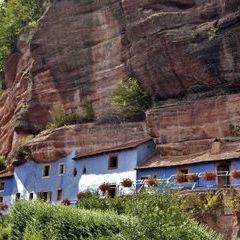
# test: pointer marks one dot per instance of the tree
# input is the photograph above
(2, 163)
(130, 100)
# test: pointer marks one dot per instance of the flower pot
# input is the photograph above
(105, 187)
(192, 177)
(209, 176)
(152, 182)
(127, 182)
(235, 174)
(66, 202)
(180, 177)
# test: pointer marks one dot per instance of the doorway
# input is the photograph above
(113, 190)
(45, 196)
(223, 180)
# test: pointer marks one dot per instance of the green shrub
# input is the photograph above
(59, 118)
(14, 15)
(130, 100)
(60, 222)
(2, 162)
(160, 216)
(117, 204)
(5, 228)
(32, 233)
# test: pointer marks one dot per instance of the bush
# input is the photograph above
(130, 100)
(2, 163)
(61, 222)
(5, 228)
(14, 15)
(59, 118)
(160, 216)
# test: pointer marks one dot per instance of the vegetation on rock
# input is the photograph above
(2, 163)
(14, 16)
(130, 100)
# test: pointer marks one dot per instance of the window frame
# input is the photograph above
(60, 190)
(43, 170)
(59, 168)
(2, 189)
(110, 158)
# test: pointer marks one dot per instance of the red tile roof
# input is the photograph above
(112, 149)
(228, 152)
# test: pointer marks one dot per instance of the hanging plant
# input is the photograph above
(180, 177)
(192, 177)
(127, 182)
(105, 187)
(209, 176)
(235, 174)
(152, 182)
(66, 202)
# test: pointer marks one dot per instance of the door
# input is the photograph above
(223, 179)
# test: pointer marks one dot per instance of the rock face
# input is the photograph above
(81, 50)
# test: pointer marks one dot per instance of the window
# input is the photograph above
(75, 172)
(31, 196)
(17, 196)
(61, 169)
(59, 194)
(113, 162)
(46, 171)
(2, 186)
(1, 199)
(84, 170)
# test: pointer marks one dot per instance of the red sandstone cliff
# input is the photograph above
(175, 48)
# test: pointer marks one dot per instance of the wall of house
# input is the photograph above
(167, 172)
(28, 177)
(6, 193)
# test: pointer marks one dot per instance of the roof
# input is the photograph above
(112, 149)
(6, 173)
(229, 152)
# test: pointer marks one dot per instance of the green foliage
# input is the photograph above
(160, 216)
(130, 100)
(59, 118)
(61, 222)
(117, 204)
(2, 163)
(32, 233)
(5, 228)
(14, 15)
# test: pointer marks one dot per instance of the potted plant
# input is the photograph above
(105, 187)
(180, 177)
(152, 182)
(235, 174)
(127, 182)
(192, 177)
(209, 176)
(66, 202)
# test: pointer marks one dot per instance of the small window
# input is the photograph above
(31, 196)
(61, 169)
(59, 194)
(75, 172)
(84, 170)
(46, 171)
(2, 186)
(1, 199)
(113, 162)
(17, 196)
